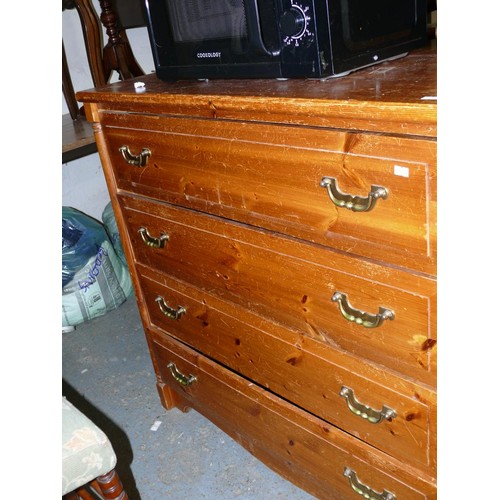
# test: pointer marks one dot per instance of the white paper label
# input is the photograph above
(401, 171)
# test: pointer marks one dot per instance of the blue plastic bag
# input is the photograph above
(94, 279)
(81, 237)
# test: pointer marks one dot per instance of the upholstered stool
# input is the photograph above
(88, 459)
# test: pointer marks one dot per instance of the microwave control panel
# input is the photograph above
(295, 24)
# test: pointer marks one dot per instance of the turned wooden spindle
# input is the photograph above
(117, 54)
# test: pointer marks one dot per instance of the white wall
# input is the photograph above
(83, 184)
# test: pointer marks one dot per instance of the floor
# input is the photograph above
(108, 375)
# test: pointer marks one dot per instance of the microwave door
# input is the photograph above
(255, 29)
(204, 20)
(203, 39)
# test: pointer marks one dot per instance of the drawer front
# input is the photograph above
(287, 439)
(293, 284)
(294, 181)
(288, 364)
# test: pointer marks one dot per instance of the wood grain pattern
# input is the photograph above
(299, 368)
(306, 450)
(224, 169)
(256, 250)
(385, 98)
(293, 284)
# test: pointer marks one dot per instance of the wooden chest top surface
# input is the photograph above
(396, 97)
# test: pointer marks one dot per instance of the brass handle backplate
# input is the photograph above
(169, 311)
(140, 160)
(365, 491)
(180, 377)
(365, 319)
(151, 241)
(352, 202)
(363, 411)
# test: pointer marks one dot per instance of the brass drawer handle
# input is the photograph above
(140, 160)
(363, 411)
(179, 377)
(364, 490)
(365, 319)
(150, 241)
(351, 202)
(168, 311)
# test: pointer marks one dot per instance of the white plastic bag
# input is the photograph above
(99, 283)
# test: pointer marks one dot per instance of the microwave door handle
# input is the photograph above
(254, 31)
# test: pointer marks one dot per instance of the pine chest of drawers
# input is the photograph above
(281, 237)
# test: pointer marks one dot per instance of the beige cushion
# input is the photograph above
(86, 450)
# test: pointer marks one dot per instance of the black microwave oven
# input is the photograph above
(203, 39)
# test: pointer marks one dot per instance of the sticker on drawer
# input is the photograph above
(401, 171)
